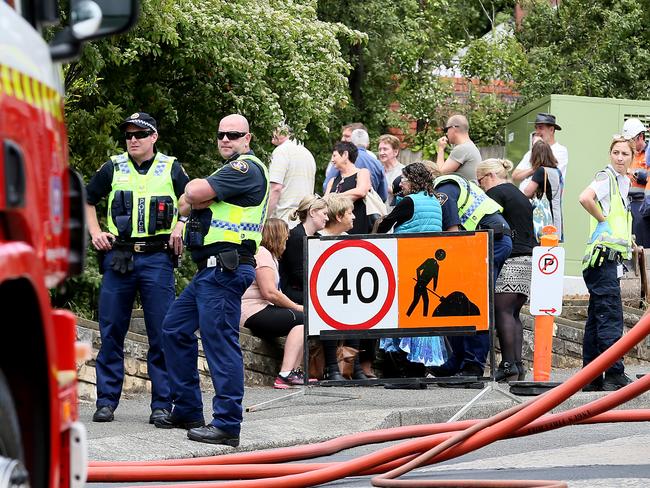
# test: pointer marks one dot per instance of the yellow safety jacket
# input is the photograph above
(232, 223)
(146, 193)
(473, 204)
(619, 220)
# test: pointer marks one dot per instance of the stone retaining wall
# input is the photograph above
(262, 357)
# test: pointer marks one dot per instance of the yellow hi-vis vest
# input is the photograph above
(473, 204)
(157, 182)
(620, 221)
(232, 223)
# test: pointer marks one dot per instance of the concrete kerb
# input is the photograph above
(308, 419)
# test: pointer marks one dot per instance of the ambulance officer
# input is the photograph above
(136, 254)
(605, 199)
(223, 233)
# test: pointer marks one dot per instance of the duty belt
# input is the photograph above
(142, 246)
(214, 261)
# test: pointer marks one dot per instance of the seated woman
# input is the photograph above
(312, 213)
(340, 215)
(340, 220)
(268, 312)
(418, 211)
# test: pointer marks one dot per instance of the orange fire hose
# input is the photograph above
(441, 441)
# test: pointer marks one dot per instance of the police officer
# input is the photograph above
(223, 234)
(143, 186)
(605, 199)
(466, 206)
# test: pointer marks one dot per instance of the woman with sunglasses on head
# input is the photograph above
(351, 182)
(513, 284)
(312, 214)
(546, 177)
(610, 242)
(268, 312)
(417, 210)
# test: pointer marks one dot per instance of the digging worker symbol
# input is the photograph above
(426, 272)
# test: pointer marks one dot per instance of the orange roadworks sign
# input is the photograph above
(444, 281)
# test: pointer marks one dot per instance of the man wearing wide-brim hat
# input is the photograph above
(545, 127)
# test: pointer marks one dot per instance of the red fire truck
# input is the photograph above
(42, 238)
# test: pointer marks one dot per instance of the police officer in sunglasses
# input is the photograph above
(228, 209)
(136, 254)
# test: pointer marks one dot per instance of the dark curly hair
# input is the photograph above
(419, 177)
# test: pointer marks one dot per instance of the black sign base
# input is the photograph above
(531, 388)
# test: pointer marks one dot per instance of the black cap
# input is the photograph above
(547, 119)
(140, 119)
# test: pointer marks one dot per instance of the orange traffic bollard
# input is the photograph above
(544, 323)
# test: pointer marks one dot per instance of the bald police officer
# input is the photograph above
(143, 186)
(223, 233)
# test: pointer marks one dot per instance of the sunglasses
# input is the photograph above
(446, 129)
(621, 138)
(138, 134)
(482, 178)
(231, 134)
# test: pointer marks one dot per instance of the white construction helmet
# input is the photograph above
(632, 128)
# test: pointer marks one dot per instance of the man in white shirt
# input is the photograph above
(292, 174)
(545, 127)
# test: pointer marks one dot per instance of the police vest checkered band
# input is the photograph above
(222, 224)
(124, 168)
(245, 226)
(121, 158)
(478, 199)
(158, 170)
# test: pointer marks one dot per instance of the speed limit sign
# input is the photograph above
(352, 284)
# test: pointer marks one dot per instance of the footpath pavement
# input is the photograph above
(303, 418)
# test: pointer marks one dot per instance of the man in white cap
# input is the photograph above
(634, 130)
(545, 127)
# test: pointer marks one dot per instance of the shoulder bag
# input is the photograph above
(542, 215)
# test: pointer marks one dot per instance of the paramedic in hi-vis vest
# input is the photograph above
(224, 231)
(610, 242)
(137, 254)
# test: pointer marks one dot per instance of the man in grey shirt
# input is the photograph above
(465, 156)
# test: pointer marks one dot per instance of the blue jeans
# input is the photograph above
(211, 303)
(604, 324)
(473, 349)
(153, 277)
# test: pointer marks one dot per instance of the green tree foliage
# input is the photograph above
(596, 48)
(189, 63)
(408, 42)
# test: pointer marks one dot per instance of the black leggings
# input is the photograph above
(274, 321)
(508, 324)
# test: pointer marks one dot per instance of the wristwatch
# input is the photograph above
(183, 218)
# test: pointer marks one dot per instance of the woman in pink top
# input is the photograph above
(268, 312)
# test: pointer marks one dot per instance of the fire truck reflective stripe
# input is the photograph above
(6, 81)
(16, 85)
(24, 88)
(36, 91)
(27, 89)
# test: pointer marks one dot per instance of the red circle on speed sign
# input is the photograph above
(390, 296)
(547, 264)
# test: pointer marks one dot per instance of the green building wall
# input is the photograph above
(588, 125)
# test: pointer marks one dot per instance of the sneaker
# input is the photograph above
(294, 379)
(616, 381)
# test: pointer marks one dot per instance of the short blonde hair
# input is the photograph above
(337, 205)
(432, 167)
(391, 140)
(630, 142)
(306, 204)
(500, 167)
